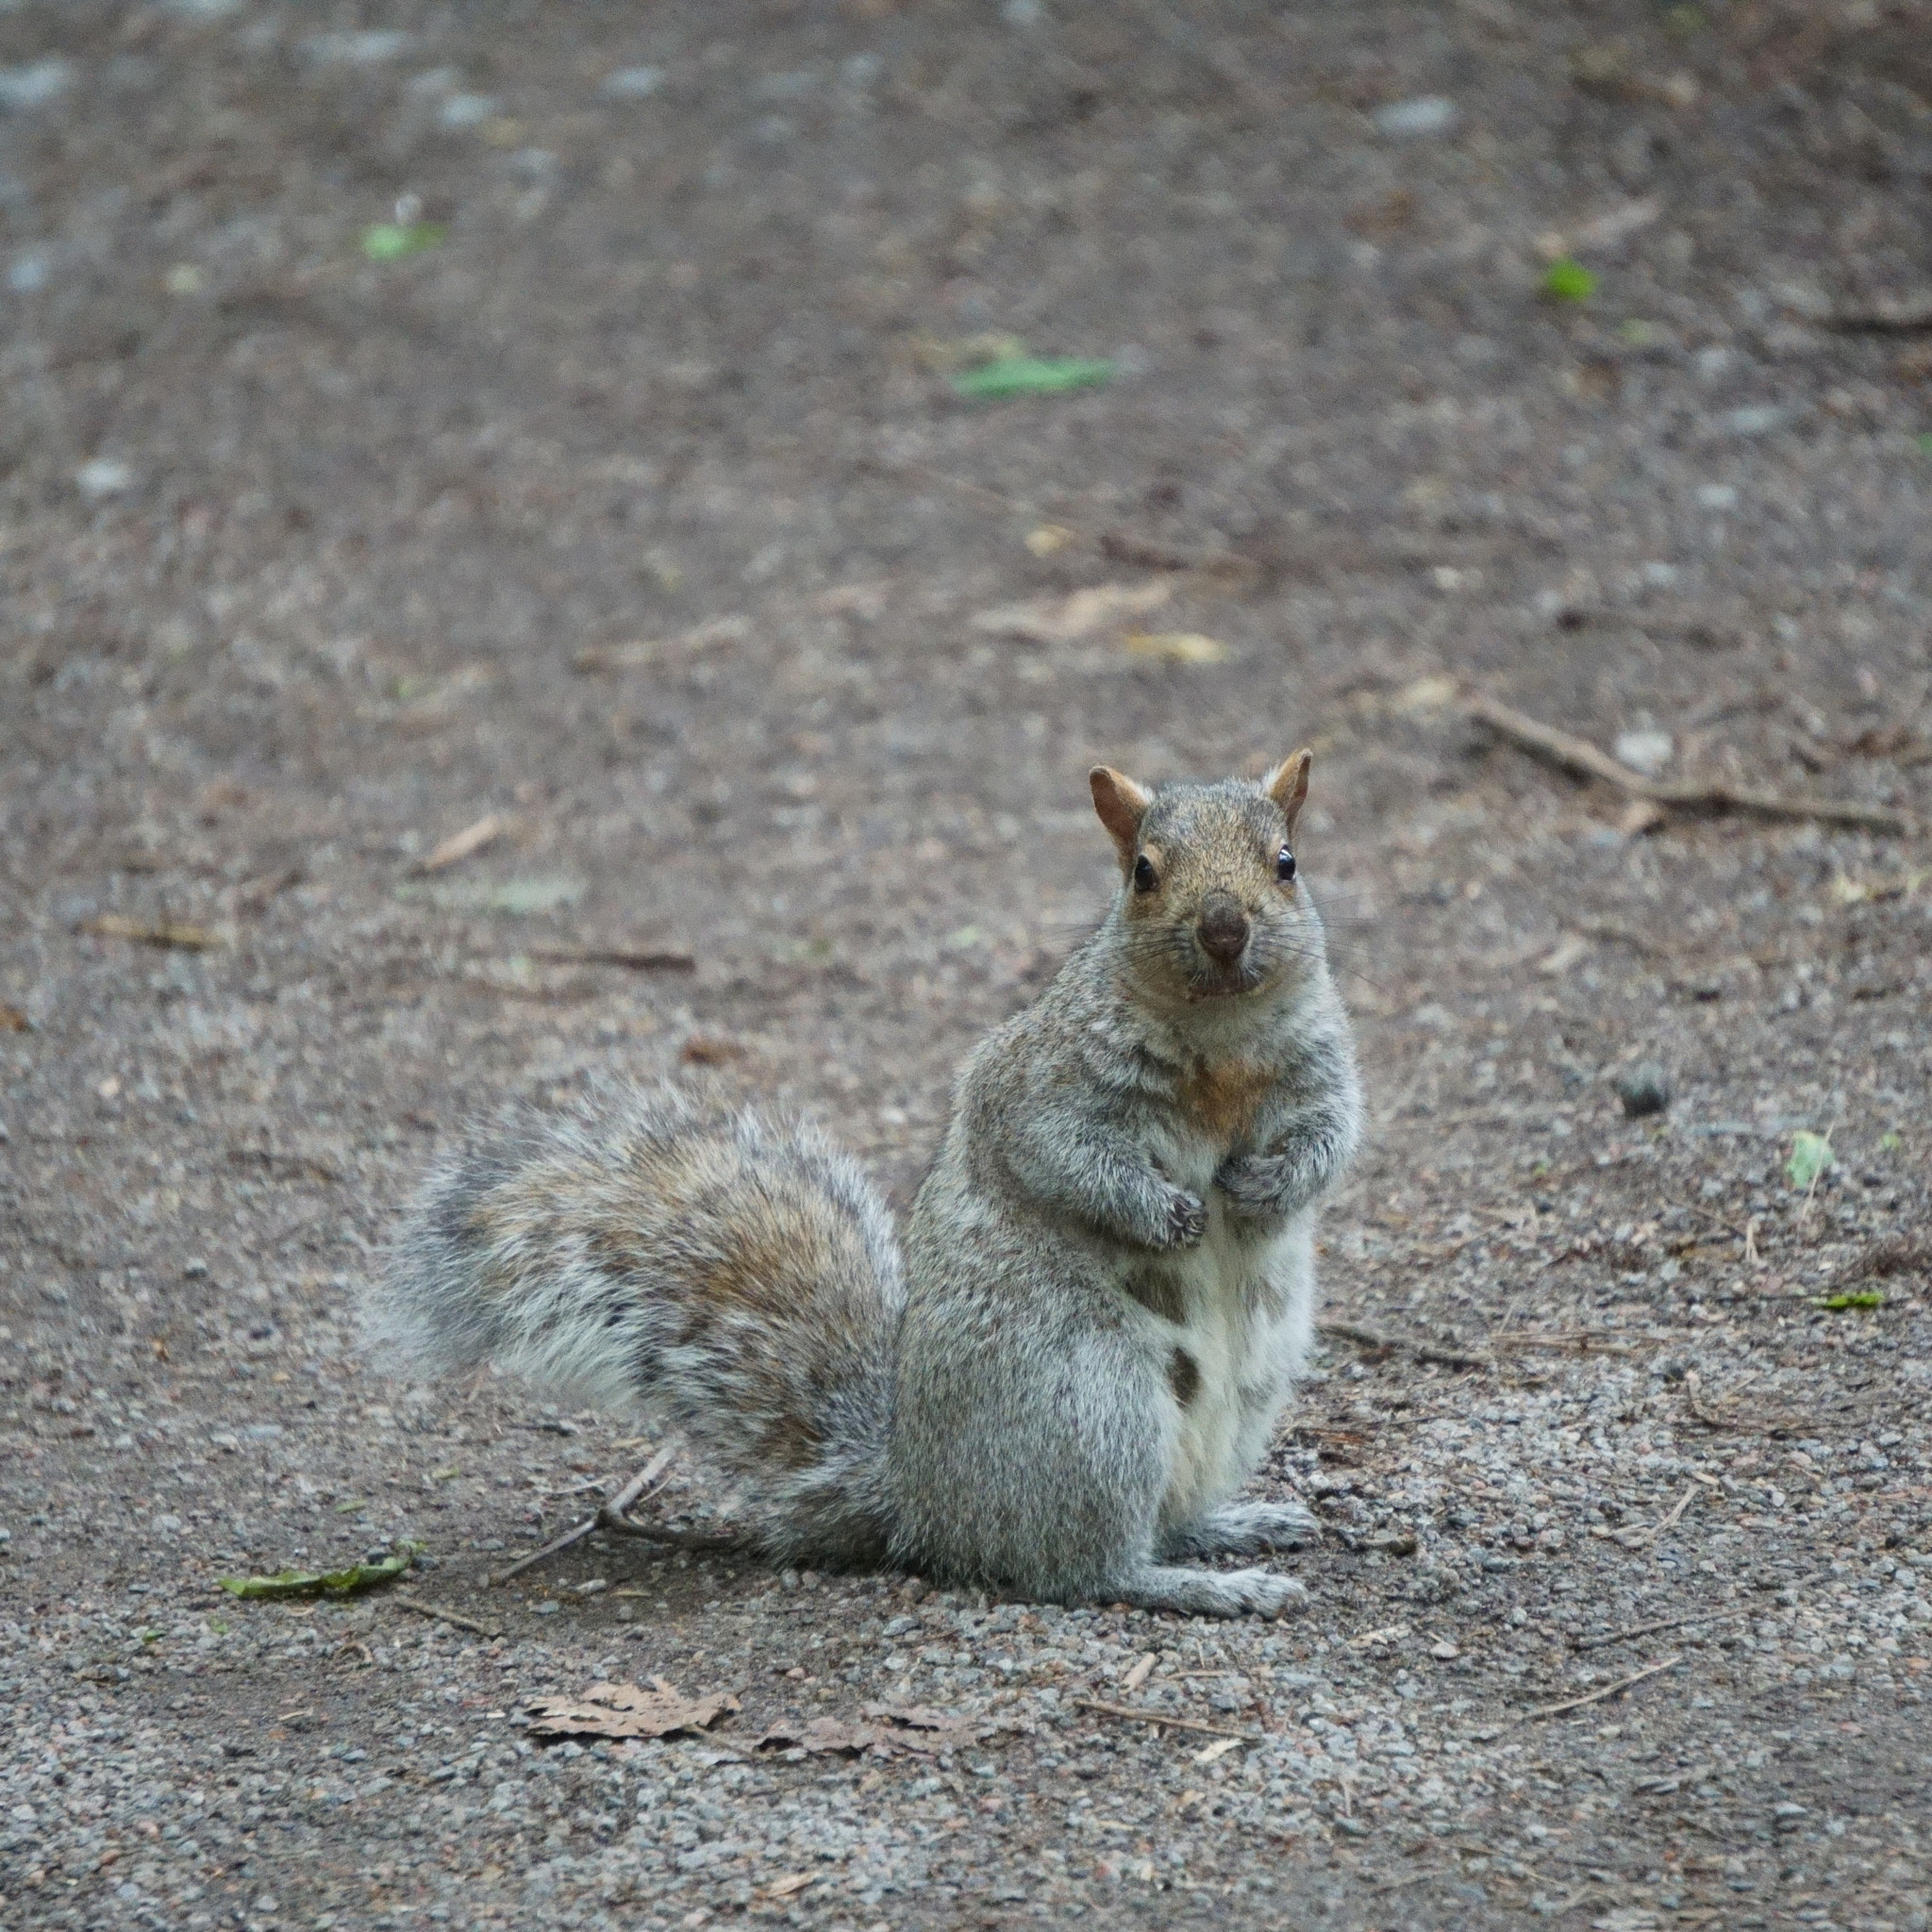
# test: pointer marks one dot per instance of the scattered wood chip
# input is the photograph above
(1176, 646)
(163, 932)
(13, 1019)
(1064, 620)
(1367, 1640)
(1580, 758)
(628, 1710)
(1567, 950)
(792, 1885)
(1220, 1748)
(459, 845)
(1143, 1669)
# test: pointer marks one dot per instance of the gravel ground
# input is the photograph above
(632, 505)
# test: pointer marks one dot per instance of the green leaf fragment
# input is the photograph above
(323, 1582)
(1569, 281)
(1030, 375)
(1868, 1298)
(391, 240)
(353, 1505)
(1811, 1156)
(1889, 1142)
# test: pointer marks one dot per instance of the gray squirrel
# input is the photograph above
(1106, 1288)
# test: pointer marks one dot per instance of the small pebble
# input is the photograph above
(1417, 120)
(1644, 1089)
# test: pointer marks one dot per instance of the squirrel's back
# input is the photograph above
(696, 1265)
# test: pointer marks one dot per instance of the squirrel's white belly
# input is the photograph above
(1244, 1333)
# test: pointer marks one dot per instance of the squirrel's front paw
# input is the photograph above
(1187, 1221)
(1252, 1183)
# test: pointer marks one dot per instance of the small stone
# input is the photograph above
(34, 85)
(466, 110)
(104, 476)
(1417, 120)
(1643, 1089)
(632, 83)
(1647, 751)
(1755, 418)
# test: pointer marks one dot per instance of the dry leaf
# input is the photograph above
(786, 1888)
(1063, 620)
(918, 1717)
(459, 845)
(163, 932)
(624, 1710)
(822, 1735)
(1176, 646)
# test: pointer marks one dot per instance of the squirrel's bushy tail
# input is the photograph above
(699, 1266)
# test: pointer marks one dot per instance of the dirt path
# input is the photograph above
(621, 493)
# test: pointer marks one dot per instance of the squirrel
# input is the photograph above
(1107, 1285)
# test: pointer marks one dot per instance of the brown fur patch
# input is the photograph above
(1225, 1099)
(1158, 1293)
(1184, 1376)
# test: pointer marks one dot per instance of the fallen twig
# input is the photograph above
(1162, 1717)
(611, 1514)
(1422, 1351)
(460, 846)
(442, 1616)
(1635, 1539)
(1578, 756)
(1904, 315)
(1652, 1630)
(1596, 1696)
(638, 959)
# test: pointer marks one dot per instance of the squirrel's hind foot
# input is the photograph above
(1206, 1592)
(1240, 1530)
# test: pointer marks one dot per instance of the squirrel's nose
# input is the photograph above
(1224, 928)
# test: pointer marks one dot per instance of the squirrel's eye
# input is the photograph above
(1145, 879)
(1284, 865)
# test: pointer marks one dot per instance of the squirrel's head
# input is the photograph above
(1210, 900)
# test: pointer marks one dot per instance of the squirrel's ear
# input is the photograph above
(1121, 804)
(1287, 784)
